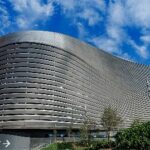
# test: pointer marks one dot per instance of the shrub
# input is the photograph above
(105, 144)
(59, 146)
(51, 147)
(101, 144)
(136, 137)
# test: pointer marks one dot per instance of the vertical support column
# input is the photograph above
(55, 135)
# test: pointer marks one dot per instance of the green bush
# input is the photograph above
(136, 137)
(64, 146)
(101, 144)
(59, 146)
(50, 147)
(85, 143)
(105, 144)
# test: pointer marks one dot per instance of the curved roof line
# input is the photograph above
(59, 40)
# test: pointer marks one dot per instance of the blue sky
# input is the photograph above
(120, 27)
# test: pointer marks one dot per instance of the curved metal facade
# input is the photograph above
(49, 80)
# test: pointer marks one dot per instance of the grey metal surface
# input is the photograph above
(48, 80)
(14, 142)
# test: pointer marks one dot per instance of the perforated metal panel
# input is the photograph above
(48, 80)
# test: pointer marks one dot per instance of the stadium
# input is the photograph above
(49, 81)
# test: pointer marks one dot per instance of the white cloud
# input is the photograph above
(80, 5)
(116, 33)
(111, 46)
(121, 15)
(99, 4)
(116, 14)
(80, 11)
(67, 5)
(107, 44)
(91, 11)
(140, 49)
(91, 16)
(81, 31)
(145, 39)
(139, 12)
(22, 22)
(31, 11)
(4, 18)
(130, 13)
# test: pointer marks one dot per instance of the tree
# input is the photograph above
(85, 130)
(110, 120)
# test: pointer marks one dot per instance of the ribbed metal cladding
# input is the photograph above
(49, 80)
